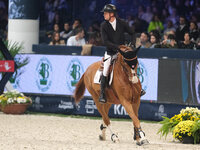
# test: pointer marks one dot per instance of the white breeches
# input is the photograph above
(107, 62)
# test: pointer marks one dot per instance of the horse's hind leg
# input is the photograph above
(103, 110)
(106, 120)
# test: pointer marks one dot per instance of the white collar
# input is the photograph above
(113, 24)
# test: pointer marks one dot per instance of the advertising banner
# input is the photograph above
(58, 74)
(87, 107)
(7, 66)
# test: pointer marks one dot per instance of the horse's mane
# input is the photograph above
(124, 66)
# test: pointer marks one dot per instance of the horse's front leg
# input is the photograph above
(139, 135)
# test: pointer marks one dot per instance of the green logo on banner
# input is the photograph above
(142, 74)
(74, 72)
(44, 74)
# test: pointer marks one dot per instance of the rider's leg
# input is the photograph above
(107, 61)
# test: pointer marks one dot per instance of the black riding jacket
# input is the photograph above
(111, 38)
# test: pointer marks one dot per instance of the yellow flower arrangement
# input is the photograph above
(13, 97)
(185, 124)
(182, 129)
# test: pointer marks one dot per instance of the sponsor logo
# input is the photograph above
(74, 72)
(119, 110)
(90, 107)
(37, 104)
(44, 74)
(161, 112)
(15, 79)
(143, 75)
(65, 105)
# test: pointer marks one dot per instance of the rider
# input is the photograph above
(112, 34)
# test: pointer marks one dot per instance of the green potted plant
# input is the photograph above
(185, 126)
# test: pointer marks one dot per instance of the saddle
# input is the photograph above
(99, 73)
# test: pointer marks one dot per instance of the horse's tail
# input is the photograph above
(80, 90)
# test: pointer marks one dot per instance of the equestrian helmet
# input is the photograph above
(109, 8)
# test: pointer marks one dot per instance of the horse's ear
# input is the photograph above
(137, 49)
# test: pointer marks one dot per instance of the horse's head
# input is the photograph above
(130, 55)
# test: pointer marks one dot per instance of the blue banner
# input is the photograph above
(87, 107)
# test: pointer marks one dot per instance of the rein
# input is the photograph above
(130, 58)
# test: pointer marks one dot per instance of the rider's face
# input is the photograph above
(107, 15)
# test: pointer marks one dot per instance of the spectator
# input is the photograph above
(155, 41)
(193, 30)
(164, 40)
(170, 27)
(173, 17)
(143, 41)
(78, 39)
(76, 24)
(57, 20)
(66, 33)
(187, 43)
(181, 29)
(155, 24)
(56, 39)
(147, 16)
(198, 43)
(55, 29)
(170, 43)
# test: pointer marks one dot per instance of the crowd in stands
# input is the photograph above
(157, 23)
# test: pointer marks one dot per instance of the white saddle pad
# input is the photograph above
(98, 75)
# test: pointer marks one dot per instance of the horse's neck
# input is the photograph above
(124, 70)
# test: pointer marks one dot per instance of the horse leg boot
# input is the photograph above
(114, 136)
(102, 136)
(102, 98)
(138, 133)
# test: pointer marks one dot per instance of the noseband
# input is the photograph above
(132, 62)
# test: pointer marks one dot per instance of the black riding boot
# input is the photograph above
(102, 98)
(142, 92)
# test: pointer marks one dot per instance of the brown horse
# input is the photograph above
(125, 89)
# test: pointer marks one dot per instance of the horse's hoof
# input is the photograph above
(142, 142)
(101, 138)
(114, 138)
